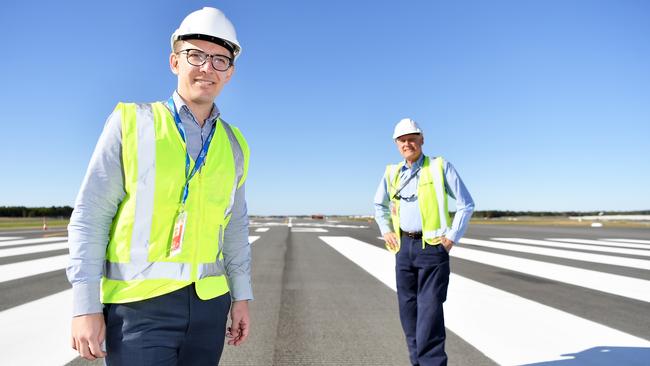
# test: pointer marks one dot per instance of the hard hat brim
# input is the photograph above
(233, 48)
(406, 133)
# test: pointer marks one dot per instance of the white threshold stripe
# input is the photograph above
(638, 241)
(44, 324)
(3, 238)
(262, 230)
(559, 253)
(372, 259)
(17, 270)
(595, 248)
(33, 241)
(632, 288)
(34, 267)
(32, 249)
(507, 328)
(599, 242)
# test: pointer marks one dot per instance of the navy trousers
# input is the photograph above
(173, 329)
(422, 279)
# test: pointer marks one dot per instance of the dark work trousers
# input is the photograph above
(422, 279)
(173, 329)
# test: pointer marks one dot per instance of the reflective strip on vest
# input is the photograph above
(139, 268)
(238, 154)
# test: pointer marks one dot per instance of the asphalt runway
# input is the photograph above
(324, 295)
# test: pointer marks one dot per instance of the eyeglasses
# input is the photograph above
(410, 198)
(198, 58)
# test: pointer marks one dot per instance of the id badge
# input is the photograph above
(179, 233)
(393, 208)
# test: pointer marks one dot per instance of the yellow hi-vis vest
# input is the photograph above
(138, 265)
(432, 199)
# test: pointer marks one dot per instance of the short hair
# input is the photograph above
(176, 45)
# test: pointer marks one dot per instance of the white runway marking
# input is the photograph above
(38, 332)
(600, 242)
(559, 253)
(256, 224)
(529, 332)
(331, 225)
(262, 230)
(633, 288)
(17, 270)
(638, 241)
(372, 259)
(33, 241)
(3, 238)
(32, 249)
(308, 230)
(595, 248)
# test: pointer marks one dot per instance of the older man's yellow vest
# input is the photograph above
(138, 265)
(432, 199)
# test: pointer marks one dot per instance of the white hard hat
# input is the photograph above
(209, 24)
(406, 126)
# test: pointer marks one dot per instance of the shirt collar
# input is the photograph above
(416, 165)
(183, 108)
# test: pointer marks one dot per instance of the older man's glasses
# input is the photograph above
(198, 58)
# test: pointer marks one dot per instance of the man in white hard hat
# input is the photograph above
(411, 212)
(159, 251)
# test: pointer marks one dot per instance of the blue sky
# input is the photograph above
(540, 105)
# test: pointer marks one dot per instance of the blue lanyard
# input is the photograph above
(204, 150)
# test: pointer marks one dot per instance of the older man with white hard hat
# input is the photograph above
(411, 211)
(159, 251)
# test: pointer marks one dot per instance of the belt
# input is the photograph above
(413, 235)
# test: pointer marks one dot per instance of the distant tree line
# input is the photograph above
(22, 211)
(66, 211)
(489, 214)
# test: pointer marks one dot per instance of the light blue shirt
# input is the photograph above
(100, 195)
(409, 211)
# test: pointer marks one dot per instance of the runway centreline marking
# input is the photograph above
(54, 234)
(529, 332)
(637, 241)
(595, 248)
(33, 241)
(18, 270)
(308, 230)
(560, 253)
(632, 288)
(331, 225)
(262, 230)
(32, 249)
(44, 324)
(600, 242)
